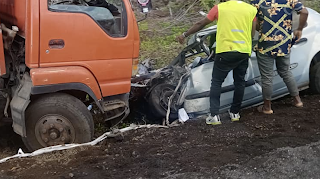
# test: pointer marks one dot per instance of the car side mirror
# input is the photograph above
(145, 5)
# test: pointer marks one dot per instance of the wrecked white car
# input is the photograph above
(182, 85)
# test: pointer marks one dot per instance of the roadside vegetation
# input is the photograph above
(313, 4)
(170, 19)
(165, 22)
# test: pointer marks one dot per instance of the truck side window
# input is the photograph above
(112, 22)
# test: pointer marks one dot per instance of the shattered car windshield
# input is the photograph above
(111, 16)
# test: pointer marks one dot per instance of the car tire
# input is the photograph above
(157, 109)
(57, 119)
(315, 78)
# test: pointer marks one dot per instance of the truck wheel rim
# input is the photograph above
(54, 129)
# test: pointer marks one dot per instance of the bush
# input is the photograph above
(208, 4)
(313, 4)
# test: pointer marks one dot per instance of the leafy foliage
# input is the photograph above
(208, 4)
(313, 4)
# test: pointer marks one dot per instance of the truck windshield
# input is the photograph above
(112, 18)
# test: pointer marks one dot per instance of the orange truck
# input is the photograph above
(57, 58)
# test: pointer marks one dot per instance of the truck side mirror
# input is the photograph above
(145, 5)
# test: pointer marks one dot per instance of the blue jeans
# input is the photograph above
(223, 64)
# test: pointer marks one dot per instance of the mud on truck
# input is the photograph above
(57, 58)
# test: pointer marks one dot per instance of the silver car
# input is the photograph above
(183, 85)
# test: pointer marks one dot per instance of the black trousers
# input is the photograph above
(223, 64)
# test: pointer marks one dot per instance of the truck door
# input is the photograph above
(93, 37)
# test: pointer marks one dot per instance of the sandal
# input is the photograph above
(261, 109)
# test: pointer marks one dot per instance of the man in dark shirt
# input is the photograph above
(275, 41)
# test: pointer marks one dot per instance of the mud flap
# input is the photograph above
(19, 104)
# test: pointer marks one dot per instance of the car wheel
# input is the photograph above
(56, 120)
(315, 78)
(159, 99)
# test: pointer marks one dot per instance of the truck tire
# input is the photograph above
(315, 78)
(158, 103)
(57, 119)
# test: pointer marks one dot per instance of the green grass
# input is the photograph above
(158, 34)
(313, 4)
(160, 45)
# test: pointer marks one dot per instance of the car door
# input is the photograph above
(198, 93)
(252, 90)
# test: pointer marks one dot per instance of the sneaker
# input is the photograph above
(215, 120)
(234, 117)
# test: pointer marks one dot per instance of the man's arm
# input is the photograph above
(195, 28)
(303, 18)
(198, 26)
(255, 23)
(212, 16)
(302, 23)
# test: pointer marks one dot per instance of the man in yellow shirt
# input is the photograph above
(236, 27)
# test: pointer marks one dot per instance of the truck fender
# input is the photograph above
(45, 89)
(55, 79)
(48, 80)
(63, 75)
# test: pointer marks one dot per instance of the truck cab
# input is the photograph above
(60, 57)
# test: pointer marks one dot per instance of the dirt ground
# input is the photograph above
(260, 146)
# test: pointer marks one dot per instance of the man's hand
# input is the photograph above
(195, 28)
(180, 39)
(302, 23)
(297, 34)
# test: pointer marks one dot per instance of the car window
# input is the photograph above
(112, 18)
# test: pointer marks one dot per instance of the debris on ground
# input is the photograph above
(194, 149)
(113, 133)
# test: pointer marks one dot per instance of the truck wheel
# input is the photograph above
(56, 120)
(315, 78)
(159, 99)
